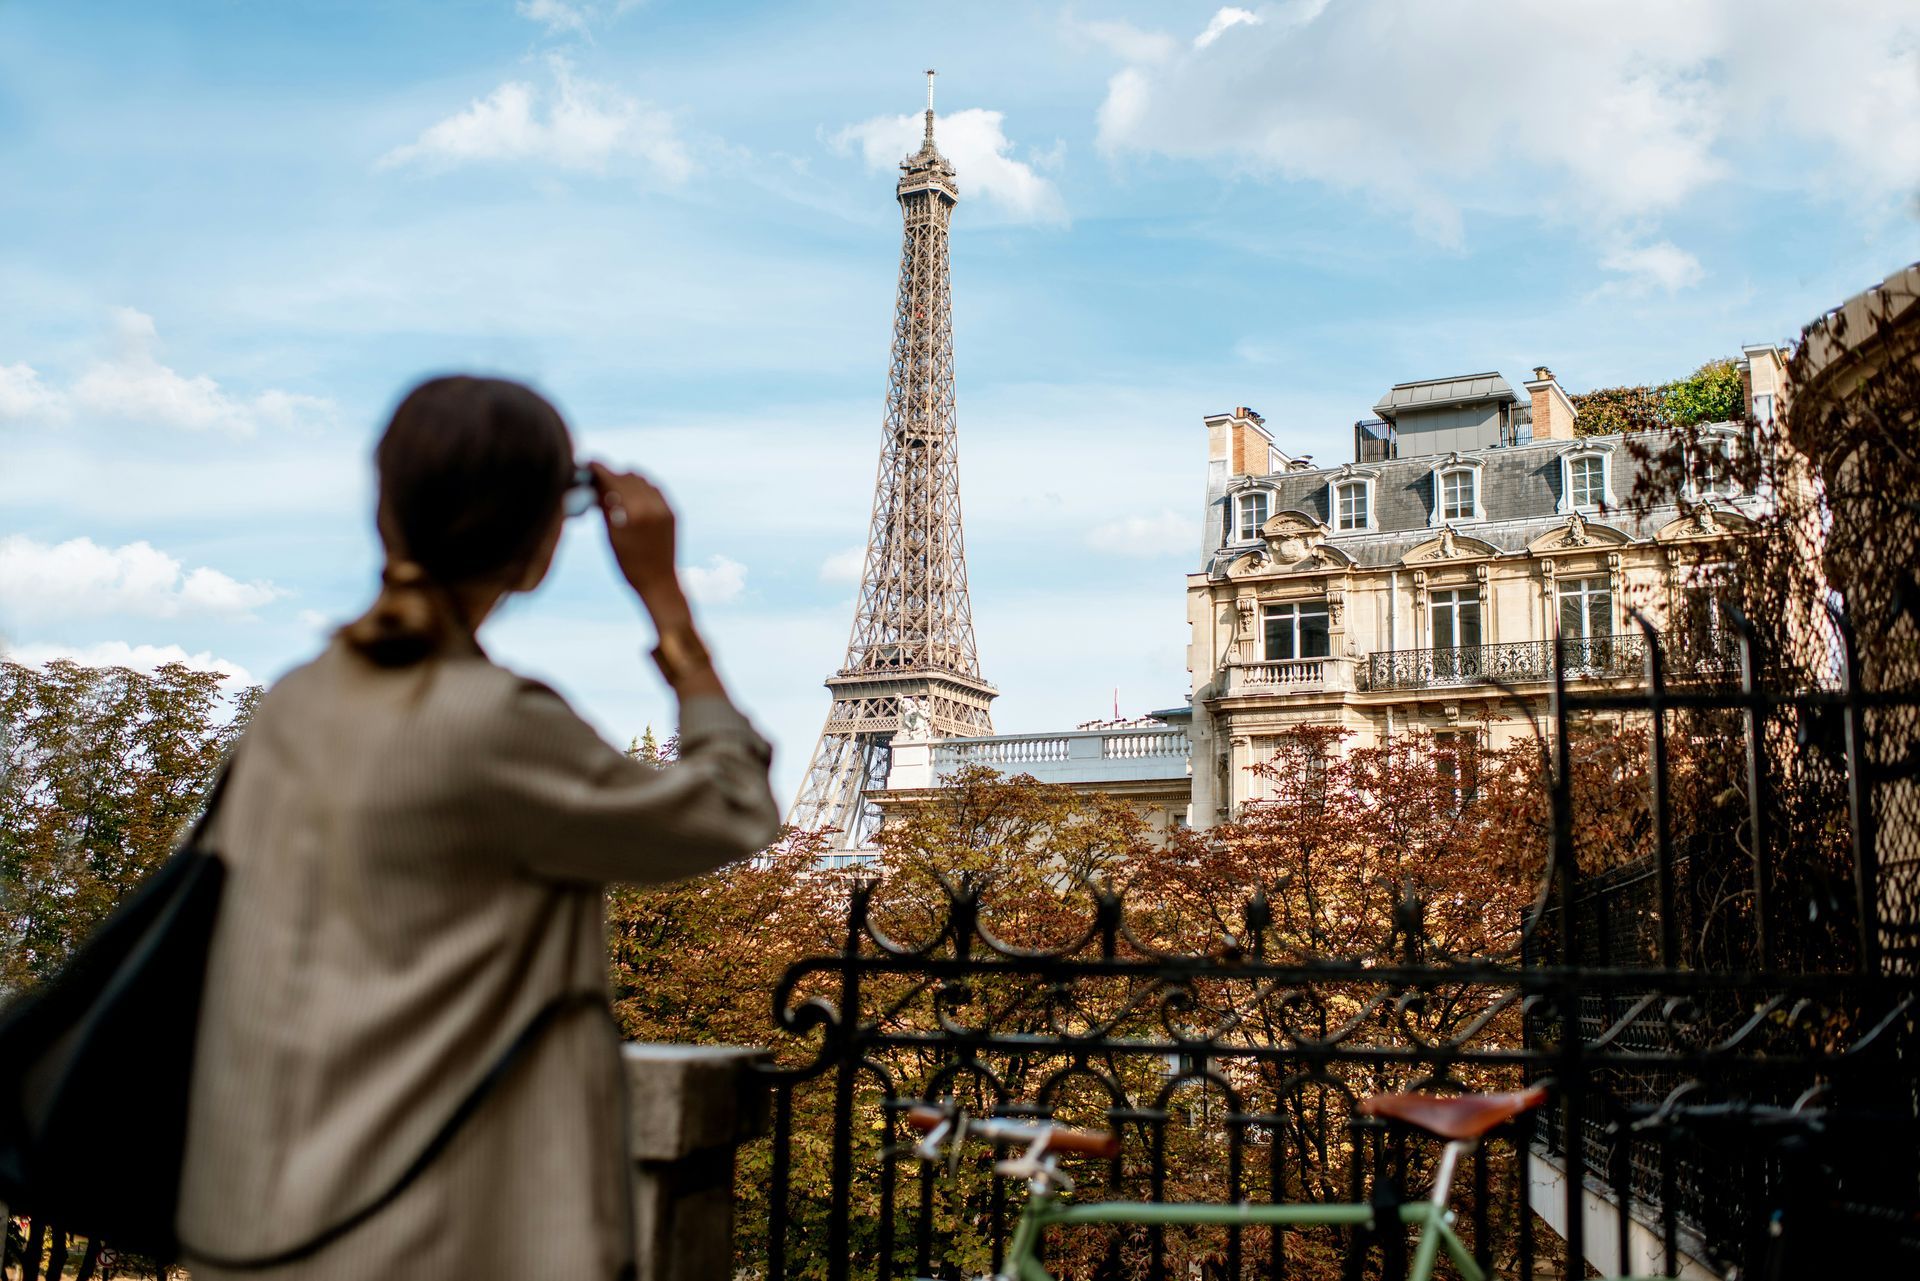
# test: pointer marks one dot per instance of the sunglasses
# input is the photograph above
(578, 499)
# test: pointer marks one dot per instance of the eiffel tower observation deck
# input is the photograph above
(911, 664)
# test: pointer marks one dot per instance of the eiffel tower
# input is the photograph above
(911, 662)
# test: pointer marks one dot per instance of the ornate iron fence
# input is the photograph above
(1718, 1059)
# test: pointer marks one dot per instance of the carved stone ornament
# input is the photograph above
(1448, 544)
(1292, 536)
(1256, 561)
(1704, 521)
(1576, 535)
(1243, 607)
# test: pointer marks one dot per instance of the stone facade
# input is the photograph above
(1389, 595)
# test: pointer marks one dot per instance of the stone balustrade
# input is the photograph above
(1081, 757)
(1288, 676)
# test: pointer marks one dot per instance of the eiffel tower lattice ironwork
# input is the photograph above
(911, 662)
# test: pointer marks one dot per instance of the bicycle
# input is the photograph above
(1461, 1120)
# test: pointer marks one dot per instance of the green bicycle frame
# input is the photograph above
(1043, 1211)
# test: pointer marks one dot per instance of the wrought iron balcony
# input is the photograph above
(1594, 657)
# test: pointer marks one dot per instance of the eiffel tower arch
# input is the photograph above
(912, 652)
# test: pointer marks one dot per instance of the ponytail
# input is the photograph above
(407, 622)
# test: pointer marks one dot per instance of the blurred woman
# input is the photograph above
(417, 841)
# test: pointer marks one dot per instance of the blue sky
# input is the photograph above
(232, 233)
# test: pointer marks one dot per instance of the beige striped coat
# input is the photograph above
(416, 862)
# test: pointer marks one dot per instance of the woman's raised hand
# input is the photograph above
(640, 528)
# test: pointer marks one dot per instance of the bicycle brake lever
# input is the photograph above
(958, 1124)
(1039, 1175)
(928, 1148)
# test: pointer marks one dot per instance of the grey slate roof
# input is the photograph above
(1432, 393)
(1520, 493)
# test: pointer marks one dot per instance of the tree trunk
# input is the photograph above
(57, 1255)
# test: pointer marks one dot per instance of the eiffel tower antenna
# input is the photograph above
(911, 663)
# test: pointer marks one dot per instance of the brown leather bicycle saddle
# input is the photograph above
(1454, 1116)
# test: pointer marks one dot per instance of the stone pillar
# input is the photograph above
(689, 1107)
(910, 763)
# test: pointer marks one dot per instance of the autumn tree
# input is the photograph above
(103, 769)
(1713, 393)
(1618, 411)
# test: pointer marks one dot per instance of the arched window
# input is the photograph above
(1456, 492)
(1710, 463)
(1586, 480)
(1251, 513)
(1353, 505)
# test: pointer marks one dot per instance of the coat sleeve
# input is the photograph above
(559, 802)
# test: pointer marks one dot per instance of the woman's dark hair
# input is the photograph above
(472, 472)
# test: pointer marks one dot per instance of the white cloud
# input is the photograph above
(844, 566)
(575, 124)
(133, 385)
(720, 580)
(140, 658)
(571, 17)
(1662, 265)
(557, 16)
(81, 578)
(1163, 534)
(1222, 21)
(1603, 115)
(1129, 42)
(24, 398)
(975, 141)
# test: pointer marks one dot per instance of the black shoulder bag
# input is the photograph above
(97, 1062)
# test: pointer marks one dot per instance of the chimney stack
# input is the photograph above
(1553, 413)
(1763, 377)
(1240, 440)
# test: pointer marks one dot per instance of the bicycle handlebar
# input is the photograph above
(927, 1117)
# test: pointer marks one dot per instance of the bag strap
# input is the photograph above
(542, 1019)
(200, 823)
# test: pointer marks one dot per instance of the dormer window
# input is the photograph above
(1456, 491)
(1252, 511)
(1352, 505)
(1350, 500)
(1711, 459)
(1586, 480)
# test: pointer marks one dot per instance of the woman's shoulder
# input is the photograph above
(469, 689)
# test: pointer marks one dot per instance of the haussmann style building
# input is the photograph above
(1424, 585)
